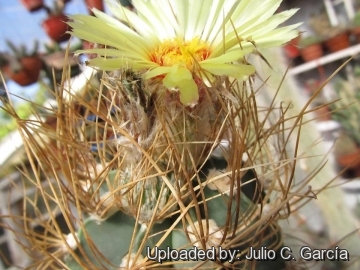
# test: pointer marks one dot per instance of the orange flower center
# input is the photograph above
(188, 53)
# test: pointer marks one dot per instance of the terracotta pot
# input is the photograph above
(56, 27)
(55, 64)
(32, 5)
(87, 45)
(291, 48)
(51, 121)
(29, 73)
(356, 33)
(312, 52)
(323, 113)
(57, 60)
(338, 42)
(98, 4)
(350, 161)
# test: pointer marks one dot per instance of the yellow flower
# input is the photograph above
(184, 41)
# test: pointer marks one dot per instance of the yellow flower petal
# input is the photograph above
(131, 18)
(184, 39)
(181, 79)
(189, 93)
(237, 71)
(177, 73)
(213, 20)
(231, 56)
(110, 53)
(156, 72)
(165, 24)
(119, 63)
(254, 22)
(96, 30)
(207, 77)
(279, 36)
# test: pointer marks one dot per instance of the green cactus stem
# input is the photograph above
(21, 51)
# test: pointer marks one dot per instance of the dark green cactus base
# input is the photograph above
(251, 189)
(112, 239)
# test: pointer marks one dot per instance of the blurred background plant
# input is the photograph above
(311, 48)
(22, 66)
(347, 112)
(34, 68)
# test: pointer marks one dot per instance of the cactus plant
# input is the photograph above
(4, 60)
(20, 52)
(311, 48)
(347, 153)
(171, 164)
(98, 4)
(347, 110)
(322, 27)
(144, 189)
(355, 26)
(55, 25)
(356, 20)
(344, 145)
(22, 66)
(336, 37)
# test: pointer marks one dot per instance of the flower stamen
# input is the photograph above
(177, 51)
